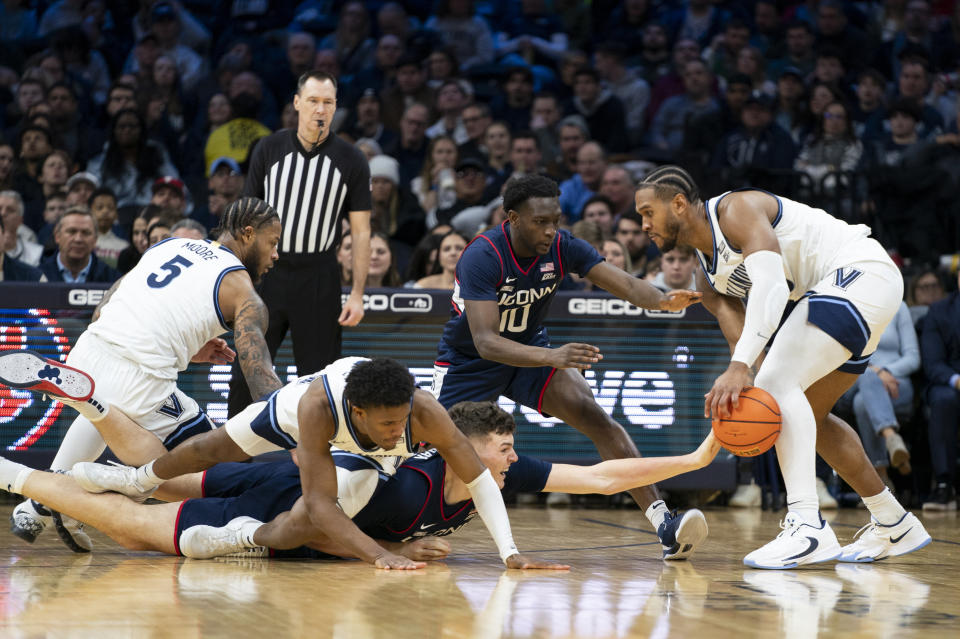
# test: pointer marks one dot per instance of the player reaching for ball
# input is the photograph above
(495, 344)
(845, 290)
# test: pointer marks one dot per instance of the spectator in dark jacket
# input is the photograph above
(602, 110)
(74, 261)
(759, 143)
(940, 353)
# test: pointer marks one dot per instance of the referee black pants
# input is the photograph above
(302, 294)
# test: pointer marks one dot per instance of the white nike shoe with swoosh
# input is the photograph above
(798, 544)
(876, 541)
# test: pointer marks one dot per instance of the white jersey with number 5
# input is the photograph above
(167, 307)
(813, 244)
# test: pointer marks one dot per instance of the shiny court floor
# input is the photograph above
(618, 588)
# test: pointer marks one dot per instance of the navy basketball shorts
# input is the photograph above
(462, 379)
(258, 490)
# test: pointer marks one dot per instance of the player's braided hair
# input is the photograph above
(247, 211)
(669, 180)
(477, 419)
(378, 382)
(521, 188)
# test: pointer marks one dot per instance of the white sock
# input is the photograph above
(885, 508)
(82, 442)
(656, 513)
(93, 409)
(796, 452)
(146, 478)
(13, 475)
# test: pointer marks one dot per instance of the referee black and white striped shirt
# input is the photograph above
(310, 189)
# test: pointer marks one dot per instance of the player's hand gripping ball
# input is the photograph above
(753, 427)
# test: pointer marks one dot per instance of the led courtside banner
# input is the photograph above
(655, 370)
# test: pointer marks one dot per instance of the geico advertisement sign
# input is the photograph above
(396, 302)
(617, 307)
(85, 297)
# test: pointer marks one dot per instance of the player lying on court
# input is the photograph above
(366, 406)
(165, 313)
(406, 513)
(845, 290)
(495, 344)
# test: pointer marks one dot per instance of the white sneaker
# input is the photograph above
(117, 478)
(798, 544)
(877, 541)
(827, 502)
(746, 496)
(27, 522)
(204, 542)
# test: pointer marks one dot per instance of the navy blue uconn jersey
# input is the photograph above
(403, 506)
(410, 503)
(522, 287)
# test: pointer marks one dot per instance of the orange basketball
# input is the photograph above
(753, 427)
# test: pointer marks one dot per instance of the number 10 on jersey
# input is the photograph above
(511, 323)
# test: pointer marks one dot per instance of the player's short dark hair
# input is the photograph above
(669, 180)
(377, 382)
(521, 188)
(478, 419)
(316, 74)
(247, 211)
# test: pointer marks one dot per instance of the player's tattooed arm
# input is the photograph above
(249, 328)
(106, 298)
(241, 306)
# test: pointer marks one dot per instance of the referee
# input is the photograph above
(311, 177)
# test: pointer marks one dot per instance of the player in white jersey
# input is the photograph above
(366, 406)
(844, 290)
(168, 311)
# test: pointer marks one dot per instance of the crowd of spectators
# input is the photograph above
(122, 123)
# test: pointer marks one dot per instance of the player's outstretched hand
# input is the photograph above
(520, 562)
(679, 299)
(575, 355)
(390, 561)
(425, 549)
(215, 351)
(725, 394)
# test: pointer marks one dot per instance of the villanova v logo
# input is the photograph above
(171, 407)
(846, 277)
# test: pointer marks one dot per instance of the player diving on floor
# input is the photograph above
(407, 513)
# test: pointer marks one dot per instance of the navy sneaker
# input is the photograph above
(681, 533)
(28, 520)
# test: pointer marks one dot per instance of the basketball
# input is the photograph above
(753, 427)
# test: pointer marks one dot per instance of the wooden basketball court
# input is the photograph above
(618, 588)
